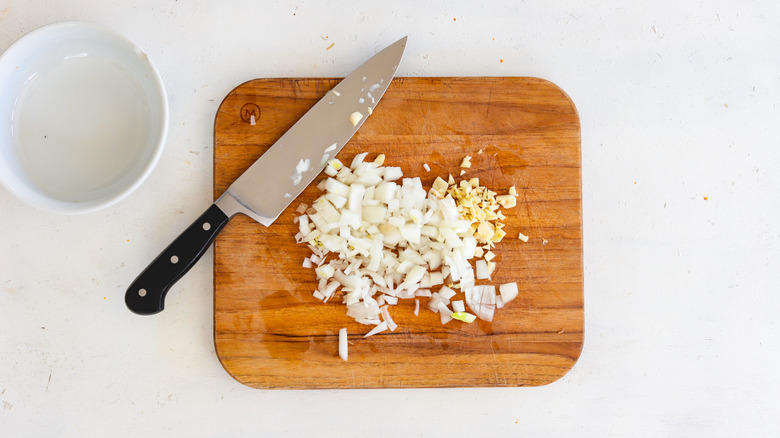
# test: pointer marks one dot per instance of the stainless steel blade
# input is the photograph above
(265, 189)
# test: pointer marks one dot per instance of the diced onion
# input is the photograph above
(325, 271)
(446, 293)
(377, 237)
(392, 173)
(388, 319)
(508, 291)
(343, 347)
(422, 293)
(445, 313)
(458, 306)
(382, 326)
(482, 301)
(482, 270)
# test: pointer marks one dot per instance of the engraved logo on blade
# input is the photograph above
(250, 113)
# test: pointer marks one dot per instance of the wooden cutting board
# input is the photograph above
(270, 332)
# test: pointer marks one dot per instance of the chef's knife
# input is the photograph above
(264, 190)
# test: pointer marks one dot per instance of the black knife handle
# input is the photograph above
(147, 293)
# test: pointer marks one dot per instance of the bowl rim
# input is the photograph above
(44, 202)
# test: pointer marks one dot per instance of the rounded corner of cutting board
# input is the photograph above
(564, 94)
(224, 361)
(564, 371)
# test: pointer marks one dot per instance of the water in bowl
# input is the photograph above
(80, 127)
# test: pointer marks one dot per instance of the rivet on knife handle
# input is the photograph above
(146, 295)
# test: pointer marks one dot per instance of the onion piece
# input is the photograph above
(325, 271)
(363, 310)
(329, 288)
(336, 187)
(422, 293)
(446, 293)
(388, 319)
(358, 160)
(303, 224)
(444, 313)
(458, 306)
(433, 303)
(374, 214)
(482, 270)
(469, 247)
(382, 326)
(343, 346)
(508, 291)
(392, 173)
(482, 301)
(368, 321)
(414, 275)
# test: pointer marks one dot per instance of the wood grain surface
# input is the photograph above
(270, 332)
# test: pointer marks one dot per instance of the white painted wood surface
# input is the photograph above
(680, 126)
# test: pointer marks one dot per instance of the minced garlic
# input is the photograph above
(439, 188)
(355, 118)
(480, 206)
(506, 201)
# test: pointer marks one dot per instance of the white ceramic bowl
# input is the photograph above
(83, 117)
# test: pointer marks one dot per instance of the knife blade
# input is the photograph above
(272, 182)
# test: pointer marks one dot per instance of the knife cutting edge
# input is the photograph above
(272, 182)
